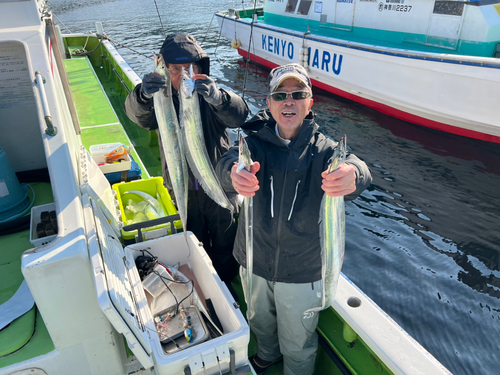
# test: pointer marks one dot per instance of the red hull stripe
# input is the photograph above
(385, 108)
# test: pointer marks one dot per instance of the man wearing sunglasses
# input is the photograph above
(220, 110)
(287, 180)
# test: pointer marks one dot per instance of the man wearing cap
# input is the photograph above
(288, 180)
(220, 110)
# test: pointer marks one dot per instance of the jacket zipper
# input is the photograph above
(294, 198)
(280, 217)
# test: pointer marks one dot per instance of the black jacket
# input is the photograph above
(179, 49)
(286, 241)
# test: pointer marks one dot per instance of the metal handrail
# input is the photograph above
(51, 129)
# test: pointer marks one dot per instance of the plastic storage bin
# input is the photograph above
(151, 186)
(134, 173)
(97, 152)
(123, 301)
(36, 211)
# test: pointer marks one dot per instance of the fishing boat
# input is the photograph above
(71, 296)
(429, 62)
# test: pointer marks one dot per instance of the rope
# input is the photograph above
(123, 45)
(161, 23)
(61, 22)
(210, 25)
(83, 51)
(220, 33)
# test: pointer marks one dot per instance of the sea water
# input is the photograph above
(423, 241)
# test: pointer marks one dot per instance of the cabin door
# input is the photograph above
(446, 24)
(344, 14)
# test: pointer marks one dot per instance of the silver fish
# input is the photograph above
(173, 148)
(148, 198)
(151, 213)
(245, 162)
(194, 143)
(332, 236)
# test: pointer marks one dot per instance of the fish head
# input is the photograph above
(339, 155)
(187, 84)
(160, 66)
(245, 159)
(162, 70)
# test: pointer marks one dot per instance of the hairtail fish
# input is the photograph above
(148, 198)
(245, 162)
(332, 236)
(194, 142)
(173, 149)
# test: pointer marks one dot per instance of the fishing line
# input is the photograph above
(161, 23)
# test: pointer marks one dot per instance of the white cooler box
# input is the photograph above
(122, 298)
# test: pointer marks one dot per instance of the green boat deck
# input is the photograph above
(26, 337)
(98, 121)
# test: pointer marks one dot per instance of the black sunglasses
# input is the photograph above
(296, 95)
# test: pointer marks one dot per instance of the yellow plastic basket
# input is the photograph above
(149, 186)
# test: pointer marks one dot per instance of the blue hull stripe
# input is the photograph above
(413, 55)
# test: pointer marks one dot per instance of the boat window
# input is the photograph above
(304, 7)
(291, 5)
(453, 8)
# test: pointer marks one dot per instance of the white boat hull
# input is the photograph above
(456, 94)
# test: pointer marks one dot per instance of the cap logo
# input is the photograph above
(281, 73)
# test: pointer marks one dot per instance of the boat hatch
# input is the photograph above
(115, 275)
(95, 184)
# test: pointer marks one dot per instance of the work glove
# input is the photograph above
(151, 83)
(210, 92)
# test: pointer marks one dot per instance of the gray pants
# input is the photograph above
(277, 321)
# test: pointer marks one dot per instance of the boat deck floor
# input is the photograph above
(98, 121)
(26, 337)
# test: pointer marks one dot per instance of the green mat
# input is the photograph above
(26, 337)
(92, 105)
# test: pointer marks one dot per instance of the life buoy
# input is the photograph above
(236, 44)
